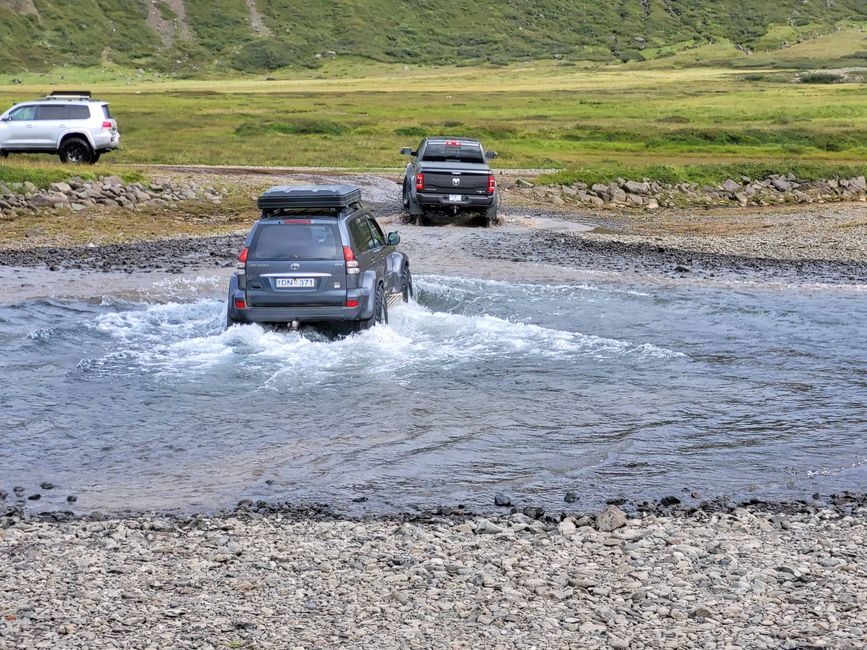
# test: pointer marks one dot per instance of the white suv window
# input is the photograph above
(49, 112)
(23, 114)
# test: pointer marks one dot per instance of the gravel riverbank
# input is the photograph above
(742, 577)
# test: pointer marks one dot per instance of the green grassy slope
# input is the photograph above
(219, 35)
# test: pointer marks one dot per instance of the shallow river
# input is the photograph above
(607, 390)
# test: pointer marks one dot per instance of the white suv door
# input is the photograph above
(49, 126)
(17, 128)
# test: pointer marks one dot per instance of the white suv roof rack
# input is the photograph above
(70, 94)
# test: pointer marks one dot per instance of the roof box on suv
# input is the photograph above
(309, 196)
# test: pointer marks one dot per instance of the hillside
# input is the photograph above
(192, 37)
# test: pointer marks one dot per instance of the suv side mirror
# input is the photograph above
(393, 238)
(490, 155)
(406, 151)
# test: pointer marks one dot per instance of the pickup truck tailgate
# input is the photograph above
(453, 181)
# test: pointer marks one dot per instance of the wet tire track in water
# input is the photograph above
(605, 390)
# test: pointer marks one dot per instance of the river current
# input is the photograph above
(632, 390)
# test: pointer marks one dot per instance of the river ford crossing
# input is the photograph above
(138, 400)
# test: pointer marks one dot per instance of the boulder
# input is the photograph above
(518, 183)
(610, 519)
(859, 183)
(600, 189)
(731, 186)
(781, 184)
(634, 187)
(112, 181)
(617, 195)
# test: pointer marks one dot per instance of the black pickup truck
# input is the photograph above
(448, 176)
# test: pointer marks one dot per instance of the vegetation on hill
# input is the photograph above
(194, 37)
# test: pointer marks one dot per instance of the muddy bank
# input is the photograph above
(537, 240)
(655, 259)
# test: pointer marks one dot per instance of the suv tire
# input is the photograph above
(4, 153)
(75, 151)
(406, 288)
(380, 312)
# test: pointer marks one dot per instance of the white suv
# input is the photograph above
(72, 125)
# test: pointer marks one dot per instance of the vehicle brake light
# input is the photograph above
(240, 303)
(285, 221)
(108, 126)
(352, 303)
(419, 181)
(492, 184)
(453, 143)
(243, 256)
(351, 262)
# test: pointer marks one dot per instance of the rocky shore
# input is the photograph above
(107, 192)
(746, 577)
(649, 194)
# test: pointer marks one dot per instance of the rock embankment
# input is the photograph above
(741, 578)
(650, 195)
(107, 192)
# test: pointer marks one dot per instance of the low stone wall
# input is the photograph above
(109, 192)
(745, 191)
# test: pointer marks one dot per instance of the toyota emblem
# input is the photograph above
(456, 181)
(295, 266)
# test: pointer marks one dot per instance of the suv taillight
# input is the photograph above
(492, 184)
(107, 126)
(419, 181)
(242, 260)
(351, 262)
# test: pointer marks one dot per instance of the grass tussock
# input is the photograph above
(42, 175)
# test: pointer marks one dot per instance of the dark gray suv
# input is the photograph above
(316, 255)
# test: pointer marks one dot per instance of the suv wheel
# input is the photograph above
(380, 312)
(4, 154)
(406, 288)
(95, 158)
(75, 151)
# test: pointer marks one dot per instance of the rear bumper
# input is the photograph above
(103, 143)
(468, 201)
(302, 313)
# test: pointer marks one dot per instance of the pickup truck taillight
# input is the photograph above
(492, 184)
(351, 262)
(419, 181)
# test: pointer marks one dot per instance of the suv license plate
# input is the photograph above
(295, 283)
(455, 198)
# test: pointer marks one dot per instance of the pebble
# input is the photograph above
(501, 500)
(256, 580)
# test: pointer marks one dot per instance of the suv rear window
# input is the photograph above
(77, 113)
(107, 112)
(442, 152)
(295, 241)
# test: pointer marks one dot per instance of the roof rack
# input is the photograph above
(309, 196)
(69, 94)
